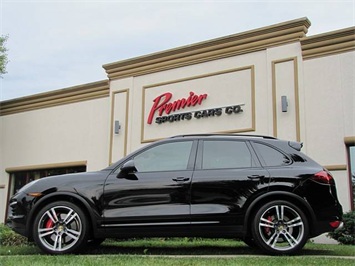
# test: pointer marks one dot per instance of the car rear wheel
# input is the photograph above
(60, 228)
(280, 227)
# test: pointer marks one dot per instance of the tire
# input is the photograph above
(280, 228)
(250, 242)
(60, 228)
(95, 242)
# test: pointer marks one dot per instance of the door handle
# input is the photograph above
(181, 179)
(253, 177)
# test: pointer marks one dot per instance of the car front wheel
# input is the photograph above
(60, 228)
(280, 227)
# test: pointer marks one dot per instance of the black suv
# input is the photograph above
(257, 188)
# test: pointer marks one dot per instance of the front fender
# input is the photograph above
(57, 196)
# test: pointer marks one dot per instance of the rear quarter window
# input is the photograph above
(270, 156)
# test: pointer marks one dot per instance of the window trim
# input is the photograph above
(350, 142)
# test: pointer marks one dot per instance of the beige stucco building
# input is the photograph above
(273, 81)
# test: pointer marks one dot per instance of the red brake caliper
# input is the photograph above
(49, 223)
(267, 229)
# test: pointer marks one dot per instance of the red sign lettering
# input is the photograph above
(161, 104)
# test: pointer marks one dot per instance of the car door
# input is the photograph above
(156, 194)
(227, 174)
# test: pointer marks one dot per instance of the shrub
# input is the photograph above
(346, 235)
(10, 238)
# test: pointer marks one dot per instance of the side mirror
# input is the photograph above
(128, 169)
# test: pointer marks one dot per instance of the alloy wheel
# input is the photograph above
(280, 227)
(59, 229)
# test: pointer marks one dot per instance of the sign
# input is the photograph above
(214, 112)
(163, 107)
(221, 102)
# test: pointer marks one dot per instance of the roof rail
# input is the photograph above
(223, 134)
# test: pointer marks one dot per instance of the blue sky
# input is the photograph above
(58, 44)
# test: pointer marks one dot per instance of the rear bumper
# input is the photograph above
(326, 227)
(341, 225)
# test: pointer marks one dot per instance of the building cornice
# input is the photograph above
(45, 166)
(246, 42)
(350, 141)
(74, 94)
(329, 43)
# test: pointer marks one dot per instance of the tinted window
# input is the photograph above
(226, 154)
(165, 157)
(271, 156)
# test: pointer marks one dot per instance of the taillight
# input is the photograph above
(323, 177)
(335, 224)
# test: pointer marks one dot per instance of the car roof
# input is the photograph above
(296, 145)
(212, 135)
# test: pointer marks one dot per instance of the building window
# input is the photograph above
(20, 178)
(352, 172)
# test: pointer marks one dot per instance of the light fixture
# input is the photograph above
(284, 104)
(117, 127)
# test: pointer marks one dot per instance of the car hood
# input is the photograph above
(67, 182)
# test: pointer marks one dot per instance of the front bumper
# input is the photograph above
(16, 217)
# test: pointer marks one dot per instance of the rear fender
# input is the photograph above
(279, 195)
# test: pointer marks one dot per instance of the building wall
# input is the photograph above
(227, 81)
(61, 135)
(255, 67)
(330, 114)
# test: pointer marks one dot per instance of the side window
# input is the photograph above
(271, 156)
(226, 154)
(165, 157)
